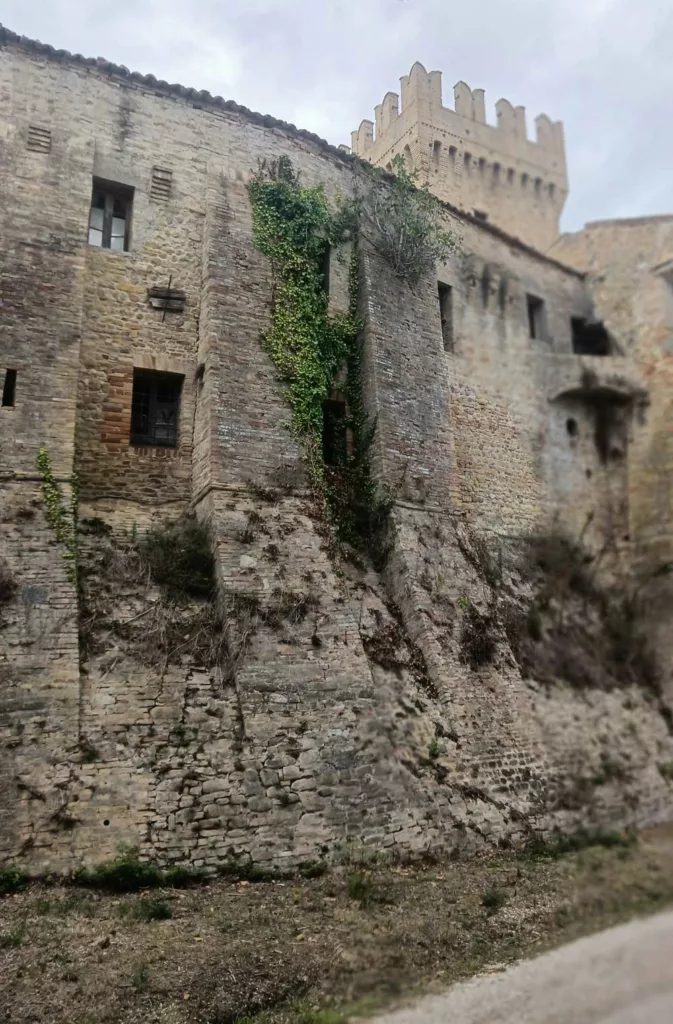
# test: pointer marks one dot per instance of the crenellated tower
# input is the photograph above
(493, 171)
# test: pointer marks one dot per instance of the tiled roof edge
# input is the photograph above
(7, 37)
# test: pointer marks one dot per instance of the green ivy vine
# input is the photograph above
(61, 517)
(294, 227)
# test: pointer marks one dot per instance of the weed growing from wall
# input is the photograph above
(402, 220)
(61, 517)
(294, 227)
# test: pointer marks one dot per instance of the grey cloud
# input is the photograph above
(602, 66)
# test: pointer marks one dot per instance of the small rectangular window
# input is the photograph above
(155, 408)
(536, 316)
(110, 216)
(446, 314)
(9, 389)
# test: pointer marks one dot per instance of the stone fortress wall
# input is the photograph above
(495, 170)
(314, 743)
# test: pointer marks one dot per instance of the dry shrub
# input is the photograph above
(479, 638)
(561, 562)
(180, 559)
(574, 630)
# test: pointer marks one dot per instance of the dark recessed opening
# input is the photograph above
(446, 314)
(536, 311)
(334, 440)
(589, 474)
(571, 427)
(536, 316)
(9, 389)
(590, 338)
(155, 408)
(107, 821)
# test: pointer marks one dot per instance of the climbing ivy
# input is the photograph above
(294, 227)
(291, 225)
(61, 517)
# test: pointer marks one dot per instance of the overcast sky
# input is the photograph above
(604, 67)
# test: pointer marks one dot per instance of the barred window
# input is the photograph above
(155, 408)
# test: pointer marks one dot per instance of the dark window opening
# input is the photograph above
(334, 433)
(611, 428)
(9, 389)
(571, 427)
(536, 316)
(155, 408)
(325, 268)
(436, 151)
(482, 165)
(446, 314)
(110, 216)
(453, 152)
(589, 338)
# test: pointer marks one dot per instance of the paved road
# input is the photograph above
(622, 976)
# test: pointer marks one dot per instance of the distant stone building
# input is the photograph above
(514, 391)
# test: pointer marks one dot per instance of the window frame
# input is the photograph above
(148, 437)
(113, 192)
(536, 310)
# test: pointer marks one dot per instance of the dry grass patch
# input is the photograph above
(305, 950)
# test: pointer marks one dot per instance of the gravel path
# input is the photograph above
(621, 976)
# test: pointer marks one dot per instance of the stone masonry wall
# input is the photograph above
(630, 266)
(317, 730)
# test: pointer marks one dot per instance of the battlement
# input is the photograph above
(423, 90)
(492, 168)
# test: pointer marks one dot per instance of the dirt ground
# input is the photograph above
(320, 951)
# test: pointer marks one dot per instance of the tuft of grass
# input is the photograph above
(127, 873)
(434, 750)
(559, 846)
(182, 877)
(12, 880)
(140, 979)
(13, 939)
(150, 910)
(313, 869)
(361, 888)
(493, 899)
(245, 870)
